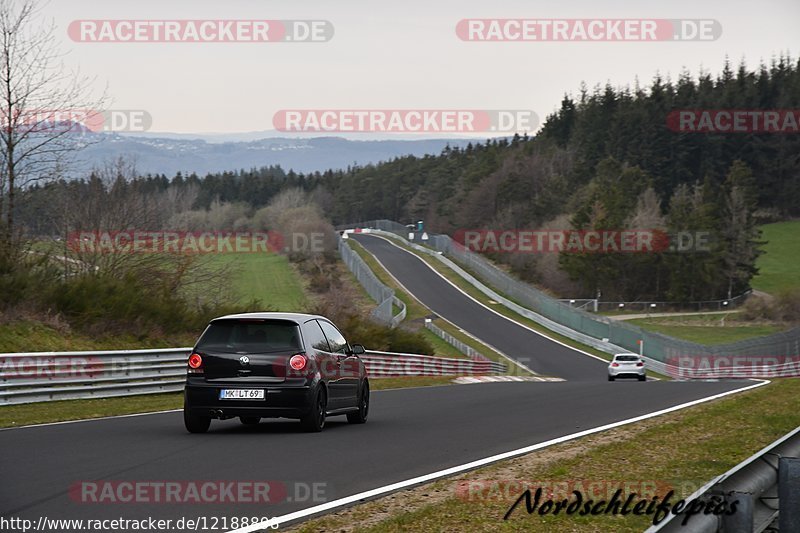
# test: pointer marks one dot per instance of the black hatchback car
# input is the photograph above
(289, 365)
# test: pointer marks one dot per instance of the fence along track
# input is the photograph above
(48, 376)
(769, 356)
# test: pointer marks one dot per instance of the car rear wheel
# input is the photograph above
(360, 416)
(195, 423)
(642, 378)
(610, 378)
(314, 421)
(250, 420)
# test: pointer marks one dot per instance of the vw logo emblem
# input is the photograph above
(244, 360)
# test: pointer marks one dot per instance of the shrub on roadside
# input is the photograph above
(137, 302)
(784, 307)
(363, 330)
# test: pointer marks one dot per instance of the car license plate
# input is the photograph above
(241, 394)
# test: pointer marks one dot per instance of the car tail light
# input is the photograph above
(195, 364)
(298, 362)
(614, 364)
(639, 364)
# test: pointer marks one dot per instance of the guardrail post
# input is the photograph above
(789, 494)
(742, 520)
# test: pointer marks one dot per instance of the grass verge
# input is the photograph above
(779, 266)
(705, 329)
(679, 451)
(32, 336)
(265, 277)
(60, 411)
(404, 382)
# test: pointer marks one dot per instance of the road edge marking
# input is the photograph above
(459, 289)
(393, 487)
(412, 295)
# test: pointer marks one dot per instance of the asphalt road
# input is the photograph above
(538, 353)
(411, 432)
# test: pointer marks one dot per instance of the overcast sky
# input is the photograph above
(396, 55)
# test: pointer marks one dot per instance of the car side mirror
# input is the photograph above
(357, 349)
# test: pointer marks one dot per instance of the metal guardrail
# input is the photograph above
(602, 345)
(384, 296)
(399, 317)
(464, 348)
(652, 306)
(48, 376)
(45, 376)
(766, 487)
(702, 367)
(398, 364)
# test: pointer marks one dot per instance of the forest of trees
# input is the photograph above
(606, 158)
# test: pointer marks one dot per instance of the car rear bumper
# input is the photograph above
(280, 400)
(615, 372)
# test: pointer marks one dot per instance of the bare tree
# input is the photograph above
(40, 103)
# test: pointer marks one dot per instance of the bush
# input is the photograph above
(785, 307)
(787, 304)
(376, 336)
(363, 330)
(756, 309)
(23, 275)
(102, 302)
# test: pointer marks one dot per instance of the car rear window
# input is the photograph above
(252, 336)
(627, 358)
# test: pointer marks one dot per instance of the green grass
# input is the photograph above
(404, 382)
(680, 450)
(440, 347)
(30, 336)
(779, 266)
(705, 329)
(60, 411)
(266, 277)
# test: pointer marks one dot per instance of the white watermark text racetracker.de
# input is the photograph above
(405, 120)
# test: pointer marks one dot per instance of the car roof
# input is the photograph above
(627, 353)
(294, 317)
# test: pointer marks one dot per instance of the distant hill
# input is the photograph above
(168, 155)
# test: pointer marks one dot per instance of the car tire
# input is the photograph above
(360, 416)
(314, 421)
(249, 420)
(610, 378)
(642, 378)
(195, 423)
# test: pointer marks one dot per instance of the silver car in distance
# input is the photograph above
(627, 365)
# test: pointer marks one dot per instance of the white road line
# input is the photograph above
(370, 494)
(411, 294)
(45, 424)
